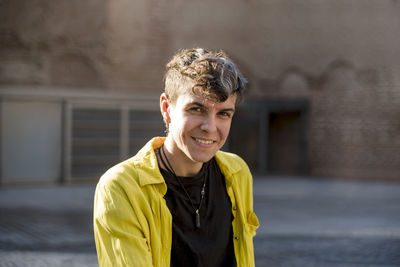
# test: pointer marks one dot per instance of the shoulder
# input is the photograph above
(230, 159)
(237, 175)
(118, 178)
(228, 156)
(139, 170)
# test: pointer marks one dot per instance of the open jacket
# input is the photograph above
(133, 225)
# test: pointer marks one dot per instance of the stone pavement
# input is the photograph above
(310, 222)
(304, 222)
(47, 226)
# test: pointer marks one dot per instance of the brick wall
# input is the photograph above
(340, 55)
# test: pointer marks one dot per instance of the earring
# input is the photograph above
(166, 131)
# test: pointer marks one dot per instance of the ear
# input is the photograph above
(165, 108)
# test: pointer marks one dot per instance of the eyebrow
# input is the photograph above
(203, 106)
(196, 103)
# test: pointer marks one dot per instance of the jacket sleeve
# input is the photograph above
(119, 236)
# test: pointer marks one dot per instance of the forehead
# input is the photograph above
(190, 98)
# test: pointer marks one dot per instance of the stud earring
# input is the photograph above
(166, 131)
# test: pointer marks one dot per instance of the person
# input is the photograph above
(180, 201)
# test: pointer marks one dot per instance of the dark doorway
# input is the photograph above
(271, 136)
(285, 143)
(244, 137)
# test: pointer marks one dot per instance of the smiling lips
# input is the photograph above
(203, 141)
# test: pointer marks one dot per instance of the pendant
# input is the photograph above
(197, 219)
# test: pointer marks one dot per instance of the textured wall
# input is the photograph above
(53, 42)
(341, 55)
(124, 44)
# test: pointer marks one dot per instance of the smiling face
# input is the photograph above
(198, 128)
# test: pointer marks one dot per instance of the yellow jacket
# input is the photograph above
(133, 225)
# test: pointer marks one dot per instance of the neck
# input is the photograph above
(181, 164)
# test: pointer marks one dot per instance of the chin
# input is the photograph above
(202, 157)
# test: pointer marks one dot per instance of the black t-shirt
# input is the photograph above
(212, 243)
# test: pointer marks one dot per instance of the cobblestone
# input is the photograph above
(22, 229)
(326, 251)
(47, 259)
(303, 223)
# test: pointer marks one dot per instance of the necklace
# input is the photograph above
(170, 169)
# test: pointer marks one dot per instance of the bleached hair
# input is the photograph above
(209, 74)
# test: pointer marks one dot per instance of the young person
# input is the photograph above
(180, 201)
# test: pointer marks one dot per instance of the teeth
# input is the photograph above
(204, 141)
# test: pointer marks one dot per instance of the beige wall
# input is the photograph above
(53, 42)
(344, 56)
(31, 141)
(124, 44)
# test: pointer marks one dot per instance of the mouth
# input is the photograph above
(203, 141)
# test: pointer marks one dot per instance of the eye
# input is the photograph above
(225, 114)
(196, 109)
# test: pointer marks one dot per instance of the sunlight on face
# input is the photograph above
(199, 127)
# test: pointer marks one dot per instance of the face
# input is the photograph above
(198, 128)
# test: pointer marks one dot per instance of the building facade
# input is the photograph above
(80, 80)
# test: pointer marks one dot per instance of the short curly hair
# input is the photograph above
(211, 74)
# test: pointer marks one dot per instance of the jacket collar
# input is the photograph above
(227, 166)
(145, 159)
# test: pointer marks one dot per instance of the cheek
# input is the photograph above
(190, 123)
(224, 129)
(181, 125)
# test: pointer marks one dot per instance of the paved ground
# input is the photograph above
(304, 222)
(327, 223)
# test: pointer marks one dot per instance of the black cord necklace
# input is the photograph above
(170, 169)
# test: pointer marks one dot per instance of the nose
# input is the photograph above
(208, 124)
